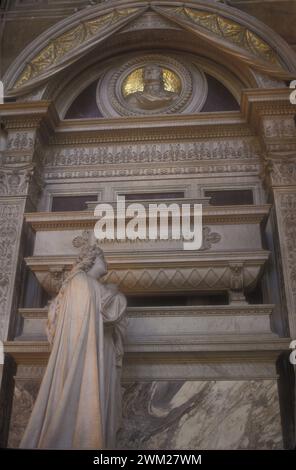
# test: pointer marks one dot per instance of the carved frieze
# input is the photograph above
(14, 182)
(25, 181)
(121, 172)
(20, 141)
(142, 153)
(280, 170)
(279, 127)
(283, 173)
(214, 156)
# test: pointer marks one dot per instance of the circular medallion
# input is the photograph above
(151, 84)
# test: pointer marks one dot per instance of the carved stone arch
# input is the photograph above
(63, 93)
(242, 38)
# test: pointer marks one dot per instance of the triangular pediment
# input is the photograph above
(244, 40)
(151, 20)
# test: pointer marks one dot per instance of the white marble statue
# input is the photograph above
(79, 401)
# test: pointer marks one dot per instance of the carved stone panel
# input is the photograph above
(11, 216)
(286, 213)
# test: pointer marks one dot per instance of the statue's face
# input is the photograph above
(99, 268)
(152, 73)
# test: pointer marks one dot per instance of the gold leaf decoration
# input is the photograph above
(229, 30)
(93, 27)
(134, 81)
(56, 51)
(69, 41)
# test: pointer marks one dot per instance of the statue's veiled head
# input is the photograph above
(92, 261)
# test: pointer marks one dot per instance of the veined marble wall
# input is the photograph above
(184, 414)
(201, 415)
(25, 394)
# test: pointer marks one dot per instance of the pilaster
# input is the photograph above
(20, 186)
(271, 112)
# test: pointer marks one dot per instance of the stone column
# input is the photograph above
(20, 186)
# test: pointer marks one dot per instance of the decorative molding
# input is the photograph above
(20, 141)
(239, 149)
(208, 239)
(264, 81)
(151, 20)
(279, 127)
(281, 172)
(236, 291)
(249, 214)
(162, 171)
(15, 181)
(243, 38)
(226, 33)
(152, 272)
(21, 181)
(158, 370)
(82, 35)
(30, 371)
(226, 29)
(172, 311)
(220, 350)
(189, 98)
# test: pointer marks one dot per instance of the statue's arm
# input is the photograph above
(113, 312)
(113, 304)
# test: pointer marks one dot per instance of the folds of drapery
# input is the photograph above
(76, 406)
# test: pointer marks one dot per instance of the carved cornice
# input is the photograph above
(41, 221)
(31, 115)
(260, 103)
(154, 367)
(256, 104)
(147, 129)
(220, 350)
(27, 115)
(176, 259)
(172, 311)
